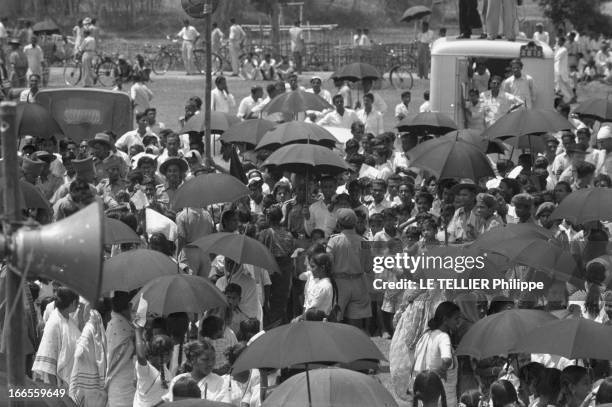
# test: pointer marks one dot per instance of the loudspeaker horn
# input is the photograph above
(70, 251)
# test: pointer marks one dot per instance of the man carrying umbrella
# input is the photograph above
(318, 215)
(520, 84)
(235, 273)
(348, 271)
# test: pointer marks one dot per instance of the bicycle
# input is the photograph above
(169, 56)
(400, 72)
(104, 70)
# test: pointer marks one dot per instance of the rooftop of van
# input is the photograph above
(477, 47)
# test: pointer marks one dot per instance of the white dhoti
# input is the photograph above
(187, 50)
(89, 75)
(234, 49)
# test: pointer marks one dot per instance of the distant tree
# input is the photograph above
(584, 15)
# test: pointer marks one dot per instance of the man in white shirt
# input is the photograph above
(520, 84)
(541, 35)
(323, 93)
(425, 106)
(298, 46)
(379, 102)
(236, 38)
(28, 95)
(371, 118)
(562, 80)
(424, 39)
(357, 37)
(190, 36)
(35, 56)
(364, 40)
(604, 141)
(220, 98)
(401, 109)
(318, 215)
(340, 117)
(245, 109)
(140, 94)
(495, 102)
(135, 136)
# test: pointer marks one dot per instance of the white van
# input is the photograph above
(451, 58)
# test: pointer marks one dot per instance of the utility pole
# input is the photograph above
(207, 12)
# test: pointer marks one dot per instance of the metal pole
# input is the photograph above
(208, 86)
(13, 324)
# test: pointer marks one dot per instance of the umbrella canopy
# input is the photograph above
(429, 123)
(332, 387)
(240, 248)
(498, 334)
(135, 268)
(527, 121)
(46, 27)
(180, 293)
(208, 189)
(248, 131)
(451, 157)
(34, 120)
(501, 234)
(357, 71)
(307, 342)
(415, 13)
(303, 158)
(571, 338)
(219, 122)
(585, 205)
(31, 198)
(296, 132)
(598, 109)
(475, 137)
(296, 101)
(534, 142)
(117, 232)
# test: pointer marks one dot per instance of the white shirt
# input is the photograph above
(401, 110)
(221, 101)
(426, 37)
(320, 218)
(249, 301)
(189, 34)
(211, 387)
(523, 88)
(365, 41)
(324, 93)
(130, 138)
(334, 119)
(373, 121)
(318, 293)
(149, 391)
(379, 103)
(297, 39)
(543, 37)
(246, 106)
(561, 63)
(3, 33)
(141, 95)
(425, 107)
(236, 34)
(27, 96)
(35, 58)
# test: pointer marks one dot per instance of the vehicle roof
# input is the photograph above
(477, 47)
(84, 91)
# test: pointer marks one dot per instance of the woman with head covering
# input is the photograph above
(469, 305)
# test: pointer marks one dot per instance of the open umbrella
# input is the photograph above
(534, 142)
(240, 248)
(475, 137)
(333, 387)
(499, 333)
(415, 13)
(117, 232)
(522, 122)
(46, 27)
(571, 338)
(357, 71)
(501, 234)
(248, 131)
(296, 101)
(598, 109)
(428, 123)
(307, 158)
(31, 198)
(451, 157)
(180, 293)
(135, 268)
(219, 122)
(585, 205)
(34, 120)
(296, 132)
(208, 189)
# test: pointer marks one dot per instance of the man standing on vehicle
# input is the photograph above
(190, 36)
(236, 38)
(520, 85)
(297, 45)
(508, 11)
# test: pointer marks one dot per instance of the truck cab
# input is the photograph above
(453, 62)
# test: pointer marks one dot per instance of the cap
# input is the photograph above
(545, 207)
(173, 160)
(45, 156)
(522, 199)
(605, 132)
(32, 167)
(84, 167)
(101, 138)
(86, 21)
(465, 183)
(347, 218)
(315, 78)
(14, 41)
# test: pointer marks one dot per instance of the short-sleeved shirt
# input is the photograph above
(346, 251)
(189, 34)
(194, 223)
(249, 302)
(318, 293)
(149, 391)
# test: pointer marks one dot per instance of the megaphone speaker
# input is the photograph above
(70, 251)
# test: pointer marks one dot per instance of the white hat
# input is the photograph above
(605, 131)
(86, 21)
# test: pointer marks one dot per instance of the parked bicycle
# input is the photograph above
(169, 56)
(400, 71)
(104, 70)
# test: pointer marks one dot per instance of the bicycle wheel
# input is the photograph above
(161, 63)
(199, 60)
(401, 77)
(105, 72)
(72, 73)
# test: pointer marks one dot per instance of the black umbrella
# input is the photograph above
(357, 71)
(46, 27)
(415, 13)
